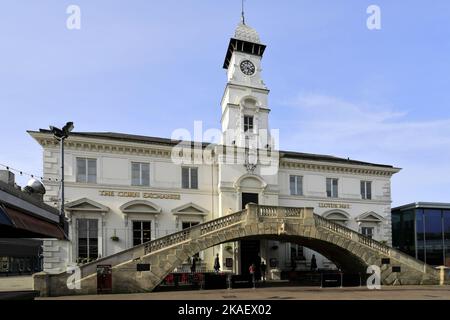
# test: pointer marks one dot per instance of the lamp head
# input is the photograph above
(64, 132)
(58, 133)
(68, 128)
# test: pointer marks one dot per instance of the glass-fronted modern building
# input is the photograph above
(422, 230)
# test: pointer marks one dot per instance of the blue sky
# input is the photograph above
(150, 67)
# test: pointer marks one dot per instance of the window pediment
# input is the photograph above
(336, 215)
(86, 204)
(140, 206)
(370, 217)
(190, 209)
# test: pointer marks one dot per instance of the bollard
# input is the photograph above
(441, 274)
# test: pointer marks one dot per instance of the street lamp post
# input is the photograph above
(61, 135)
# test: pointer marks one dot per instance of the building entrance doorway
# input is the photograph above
(250, 254)
(249, 198)
(250, 249)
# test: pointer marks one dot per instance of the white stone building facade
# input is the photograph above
(122, 190)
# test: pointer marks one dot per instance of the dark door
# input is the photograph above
(104, 279)
(250, 255)
(250, 248)
(249, 198)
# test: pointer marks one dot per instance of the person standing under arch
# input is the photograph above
(313, 263)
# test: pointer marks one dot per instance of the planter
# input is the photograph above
(115, 237)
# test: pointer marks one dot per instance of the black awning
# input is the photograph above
(20, 247)
(27, 226)
(4, 219)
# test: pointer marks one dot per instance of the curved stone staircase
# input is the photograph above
(292, 224)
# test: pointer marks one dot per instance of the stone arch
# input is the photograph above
(342, 258)
(345, 247)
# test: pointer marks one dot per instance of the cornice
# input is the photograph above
(243, 87)
(106, 146)
(320, 166)
(165, 152)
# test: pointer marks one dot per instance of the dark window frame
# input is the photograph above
(141, 230)
(249, 123)
(91, 249)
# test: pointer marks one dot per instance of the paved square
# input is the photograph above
(16, 283)
(286, 293)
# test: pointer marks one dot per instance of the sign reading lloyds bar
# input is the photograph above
(334, 205)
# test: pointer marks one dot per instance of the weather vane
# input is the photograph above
(243, 15)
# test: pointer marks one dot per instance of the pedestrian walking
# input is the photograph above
(263, 271)
(217, 264)
(193, 267)
(252, 270)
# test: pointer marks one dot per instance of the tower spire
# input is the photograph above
(243, 13)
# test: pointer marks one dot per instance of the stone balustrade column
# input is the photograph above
(252, 213)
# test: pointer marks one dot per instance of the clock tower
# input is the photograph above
(245, 108)
(248, 170)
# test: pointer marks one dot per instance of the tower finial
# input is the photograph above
(243, 13)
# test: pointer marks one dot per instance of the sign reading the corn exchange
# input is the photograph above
(138, 194)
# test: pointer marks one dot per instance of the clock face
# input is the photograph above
(247, 67)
